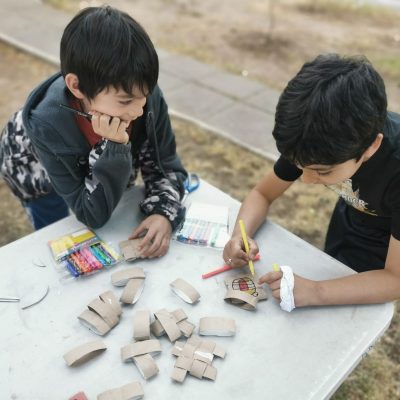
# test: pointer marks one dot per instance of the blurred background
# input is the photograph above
(262, 41)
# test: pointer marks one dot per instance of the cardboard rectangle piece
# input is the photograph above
(84, 352)
(105, 310)
(109, 298)
(178, 374)
(169, 324)
(121, 278)
(129, 351)
(141, 325)
(132, 291)
(146, 365)
(131, 391)
(185, 291)
(130, 249)
(94, 322)
(217, 326)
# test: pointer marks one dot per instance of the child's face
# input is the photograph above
(117, 103)
(330, 174)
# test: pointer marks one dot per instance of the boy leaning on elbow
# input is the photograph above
(332, 128)
(55, 160)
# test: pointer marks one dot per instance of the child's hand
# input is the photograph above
(111, 128)
(234, 253)
(304, 290)
(156, 231)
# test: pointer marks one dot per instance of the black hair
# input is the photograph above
(331, 111)
(106, 47)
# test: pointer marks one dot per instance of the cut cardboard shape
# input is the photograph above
(121, 278)
(131, 391)
(169, 324)
(198, 368)
(244, 291)
(94, 322)
(185, 291)
(110, 298)
(184, 363)
(130, 249)
(194, 340)
(210, 373)
(132, 291)
(141, 325)
(217, 326)
(178, 374)
(84, 352)
(156, 328)
(105, 311)
(177, 349)
(146, 365)
(186, 328)
(219, 351)
(179, 315)
(205, 352)
(188, 350)
(129, 351)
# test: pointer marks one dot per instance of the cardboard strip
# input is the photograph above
(146, 365)
(105, 310)
(177, 349)
(109, 298)
(130, 249)
(178, 374)
(169, 324)
(84, 352)
(245, 300)
(94, 322)
(132, 291)
(140, 348)
(219, 351)
(185, 291)
(184, 363)
(121, 278)
(186, 328)
(198, 368)
(217, 326)
(157, 329)
(141, 325)
(179, 315)
(210, 373)
(131, 391)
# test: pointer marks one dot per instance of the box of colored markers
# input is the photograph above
(205, 225)
(83, 253)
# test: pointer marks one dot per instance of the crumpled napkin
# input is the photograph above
(287, 285)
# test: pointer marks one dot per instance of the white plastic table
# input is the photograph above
(304, 354)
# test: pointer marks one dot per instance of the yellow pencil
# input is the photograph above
(246, 244)
(275, 267)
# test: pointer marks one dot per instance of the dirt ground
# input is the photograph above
(267, 41)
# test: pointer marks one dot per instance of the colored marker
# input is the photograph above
(224, 268)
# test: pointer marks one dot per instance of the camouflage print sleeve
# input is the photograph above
(162, 193)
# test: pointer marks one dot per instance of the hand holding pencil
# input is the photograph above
(235, 254)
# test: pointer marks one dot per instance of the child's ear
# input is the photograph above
(72, 82)
(374, 146)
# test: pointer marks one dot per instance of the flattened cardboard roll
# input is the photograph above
(217, 326)
(146, 365)
(198, 368)
(177, 349)
(156, 328)
(141, 325)
(129, 351)
(219, 351)
(121, 278)
(105, 310)
(243, 299)
(109, 298)
(132, 291)
(131, 391)
(94, 322)
(205, 352)
(178, 374)
(194, 340)
(130, 249)
(184, 363)
(210, 373)
(185, 291)
(84, 352)
(169, 324)
(179, 315)
(186, 328)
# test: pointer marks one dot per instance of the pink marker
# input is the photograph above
(224, 268)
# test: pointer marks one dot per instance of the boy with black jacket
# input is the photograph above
(332, 128)
(54, 159)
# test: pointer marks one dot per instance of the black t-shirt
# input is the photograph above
(375, 188)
